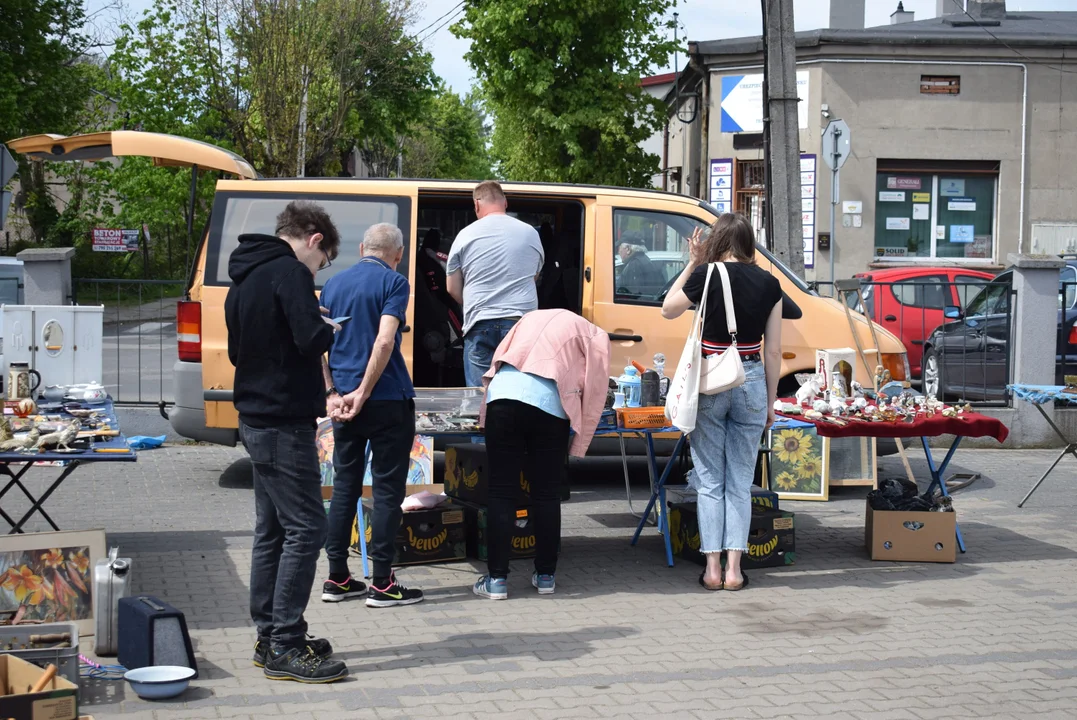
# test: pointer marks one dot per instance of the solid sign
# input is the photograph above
(742, 102)
(903, 183)
(836, 144)
(891, 251)
(962, 233)
(962, 204)
(951, 187)
(115, 240)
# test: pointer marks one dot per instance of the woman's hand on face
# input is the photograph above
(695, 247)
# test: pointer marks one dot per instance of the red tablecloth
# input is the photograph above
(966, 425)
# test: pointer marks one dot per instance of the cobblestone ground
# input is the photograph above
(836, 635)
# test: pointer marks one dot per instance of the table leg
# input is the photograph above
(15, 481)
(937, 477)
(38, 503)
(628, 484)
(1070, 449)
(659, 495)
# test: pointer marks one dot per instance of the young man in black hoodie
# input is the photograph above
(277, 336)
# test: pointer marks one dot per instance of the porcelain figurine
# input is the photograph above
(810, 390)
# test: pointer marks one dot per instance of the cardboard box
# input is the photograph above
(685, 494)
(58, 701)
(771, 537)
(911, 536)
(467, 475)
(425, 536)
(523, 533)
(838, 360)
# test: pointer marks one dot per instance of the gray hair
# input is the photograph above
(383, 238)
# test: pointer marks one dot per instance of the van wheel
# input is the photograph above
(788, 386)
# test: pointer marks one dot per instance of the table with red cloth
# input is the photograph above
(963, 425)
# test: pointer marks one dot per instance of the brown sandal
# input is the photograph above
(705, 586)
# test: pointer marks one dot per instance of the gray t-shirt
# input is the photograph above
(500, 257)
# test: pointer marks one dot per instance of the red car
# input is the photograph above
(909, 302)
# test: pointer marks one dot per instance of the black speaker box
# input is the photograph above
(152, 632)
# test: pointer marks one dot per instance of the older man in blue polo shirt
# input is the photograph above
(370, 398)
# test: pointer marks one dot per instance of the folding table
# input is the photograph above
(923, 426)
(1040, 395)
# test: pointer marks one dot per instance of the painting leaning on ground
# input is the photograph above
(48, 584)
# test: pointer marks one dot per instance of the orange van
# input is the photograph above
(581, 228)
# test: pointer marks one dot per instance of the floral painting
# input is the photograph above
(797, 468)
(48, 577)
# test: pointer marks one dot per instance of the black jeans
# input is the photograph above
(289, 529)
(389, 426)
(522, 438)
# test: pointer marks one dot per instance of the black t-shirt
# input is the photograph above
(755, 293)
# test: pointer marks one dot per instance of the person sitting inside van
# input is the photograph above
(639, 275)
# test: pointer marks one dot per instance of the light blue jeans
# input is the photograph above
(725, 446)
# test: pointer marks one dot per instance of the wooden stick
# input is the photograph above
(50, 673)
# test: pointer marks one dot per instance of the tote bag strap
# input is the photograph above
(701, 308)
(727, 293)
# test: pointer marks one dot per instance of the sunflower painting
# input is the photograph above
(47, 577)
(797, 467)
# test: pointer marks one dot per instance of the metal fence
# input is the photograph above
(958, 335)
(139, 342)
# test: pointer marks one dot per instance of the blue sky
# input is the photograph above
(704, 19)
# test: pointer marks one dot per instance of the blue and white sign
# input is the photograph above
(742, 102)
(962, 233)
(951, 187)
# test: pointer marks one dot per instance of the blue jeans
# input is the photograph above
(725, 445)
(480, 343)
(289, 529)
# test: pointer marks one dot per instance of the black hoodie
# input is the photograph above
(276, 335)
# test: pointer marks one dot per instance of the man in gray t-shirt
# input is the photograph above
(492, 268)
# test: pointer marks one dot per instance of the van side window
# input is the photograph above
(236, 214)
(650, 249)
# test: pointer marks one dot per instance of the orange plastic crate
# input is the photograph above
(640, 418)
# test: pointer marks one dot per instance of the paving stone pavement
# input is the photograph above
(836, 635)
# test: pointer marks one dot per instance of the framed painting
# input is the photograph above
(851, 461)
(48, 577)
(797, 468)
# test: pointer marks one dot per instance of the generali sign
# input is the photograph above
(903, 183)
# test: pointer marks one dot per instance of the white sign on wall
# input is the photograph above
(742, 102)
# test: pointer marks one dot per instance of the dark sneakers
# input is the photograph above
(395, 594)
(304, 666)
(337, 592)
(319, 646)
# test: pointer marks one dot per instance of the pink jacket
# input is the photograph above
(563, 347)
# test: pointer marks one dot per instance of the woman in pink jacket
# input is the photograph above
(549, 375)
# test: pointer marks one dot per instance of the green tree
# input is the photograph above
(449, 141)
(42, 85)
(562, 81)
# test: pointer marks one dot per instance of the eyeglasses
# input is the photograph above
(328, 263)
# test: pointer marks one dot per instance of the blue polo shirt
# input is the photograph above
(365, 292)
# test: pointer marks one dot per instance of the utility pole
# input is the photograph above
(782, 135)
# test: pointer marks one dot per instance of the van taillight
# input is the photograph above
(189, 331)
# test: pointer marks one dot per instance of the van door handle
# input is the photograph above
(625, 338)
(890, 318)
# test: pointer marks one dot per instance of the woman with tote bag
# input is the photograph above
(729, 423)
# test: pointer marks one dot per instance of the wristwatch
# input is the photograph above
(331, 391)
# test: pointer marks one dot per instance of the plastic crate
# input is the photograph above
(16, 640)
(641, 418)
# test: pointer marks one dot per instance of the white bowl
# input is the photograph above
(160, 681)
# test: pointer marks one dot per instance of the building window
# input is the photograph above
(935, 214)
(940, 84)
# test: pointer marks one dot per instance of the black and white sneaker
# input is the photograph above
(395, 594)
(336, 592)
(318, 646)
(304, 666)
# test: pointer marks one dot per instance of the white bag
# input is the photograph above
(725, 370)
(682, 398)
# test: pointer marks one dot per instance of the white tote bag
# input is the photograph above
(682, 398)
(725, 370)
